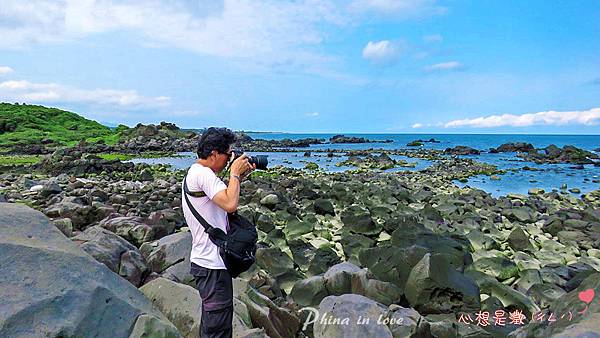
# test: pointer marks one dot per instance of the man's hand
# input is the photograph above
(241, 167)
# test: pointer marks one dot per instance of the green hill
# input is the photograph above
(22, 124)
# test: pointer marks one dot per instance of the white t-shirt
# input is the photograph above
(204, 252)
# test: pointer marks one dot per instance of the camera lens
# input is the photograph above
(261, 161)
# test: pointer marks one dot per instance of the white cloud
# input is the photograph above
(445, 66)
(554, 118)
(381, 52)
(24, 91)
(265, 32)
(312, 114)
(433, 38)
(5, 70)
(417, 125)
(400, 8)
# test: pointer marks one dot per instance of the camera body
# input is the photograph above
(261, 161)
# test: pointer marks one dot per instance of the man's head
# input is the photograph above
(214, 146)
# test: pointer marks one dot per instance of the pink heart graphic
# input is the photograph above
(587, 295)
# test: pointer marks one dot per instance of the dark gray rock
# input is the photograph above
(323, 207)
(358, 219)
(434, 286)
(115, 252)
(72, 296)
(170, 256)
(350, 308)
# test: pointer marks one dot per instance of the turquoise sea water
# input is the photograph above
(549, 177)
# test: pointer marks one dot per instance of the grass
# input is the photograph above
(19, 160)
(127, 157)
(22, 125)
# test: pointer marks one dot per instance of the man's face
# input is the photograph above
(223, 159)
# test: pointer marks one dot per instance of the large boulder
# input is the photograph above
(113, 251)
(346, 277)
(310, 291)
(573, 323)
(339, 316)
(136, 230)
(358, 220)
(79, 214)
(279, 265)
(338, 278)
(170, 256)
(51, 287)
(278, 322)
(434, 286)
(180, 303)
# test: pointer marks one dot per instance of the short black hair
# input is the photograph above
(218, 139)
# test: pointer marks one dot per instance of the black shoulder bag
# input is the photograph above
(238, 246)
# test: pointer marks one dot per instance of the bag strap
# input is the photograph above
(207, 227)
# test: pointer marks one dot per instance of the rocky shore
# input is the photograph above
(411, 249)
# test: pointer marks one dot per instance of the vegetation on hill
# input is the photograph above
(23, 124)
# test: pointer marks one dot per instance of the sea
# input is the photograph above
(547, 176)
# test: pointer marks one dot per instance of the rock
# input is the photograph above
(64, 225)
(358, 219)
(270, 201)
(391, 263)
(265, 223)
(136, 230)
(415, 143)
(80, 215)
(309, 292)
(353, 244)
(278, 322)
(525, 261)
(461, 150)
(520, 214)
(404, 322)
(433, 286)
(509, 297)
(181, 304)
(514, 147)
(50, 188)
(518, 240)
(535, 191)
(498, 267)
(170, 257)
(73, 296)
(279, 265)
(383, 292)
(323, 207)
(295, 228)
(323, 257)
(146, 175)
(347, 139)
(338, 278)
(150, 326)
(544, 294)
(341, 316)
(586, 325)
(114, 252)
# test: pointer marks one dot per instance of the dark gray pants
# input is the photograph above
(216, 290)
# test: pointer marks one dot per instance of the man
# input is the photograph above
(212, 279)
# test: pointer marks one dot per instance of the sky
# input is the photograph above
(328, 66)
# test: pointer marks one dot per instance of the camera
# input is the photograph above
(261, 161)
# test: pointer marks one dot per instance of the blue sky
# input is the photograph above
(389, 66)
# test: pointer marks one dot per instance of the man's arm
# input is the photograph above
(228, 199)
